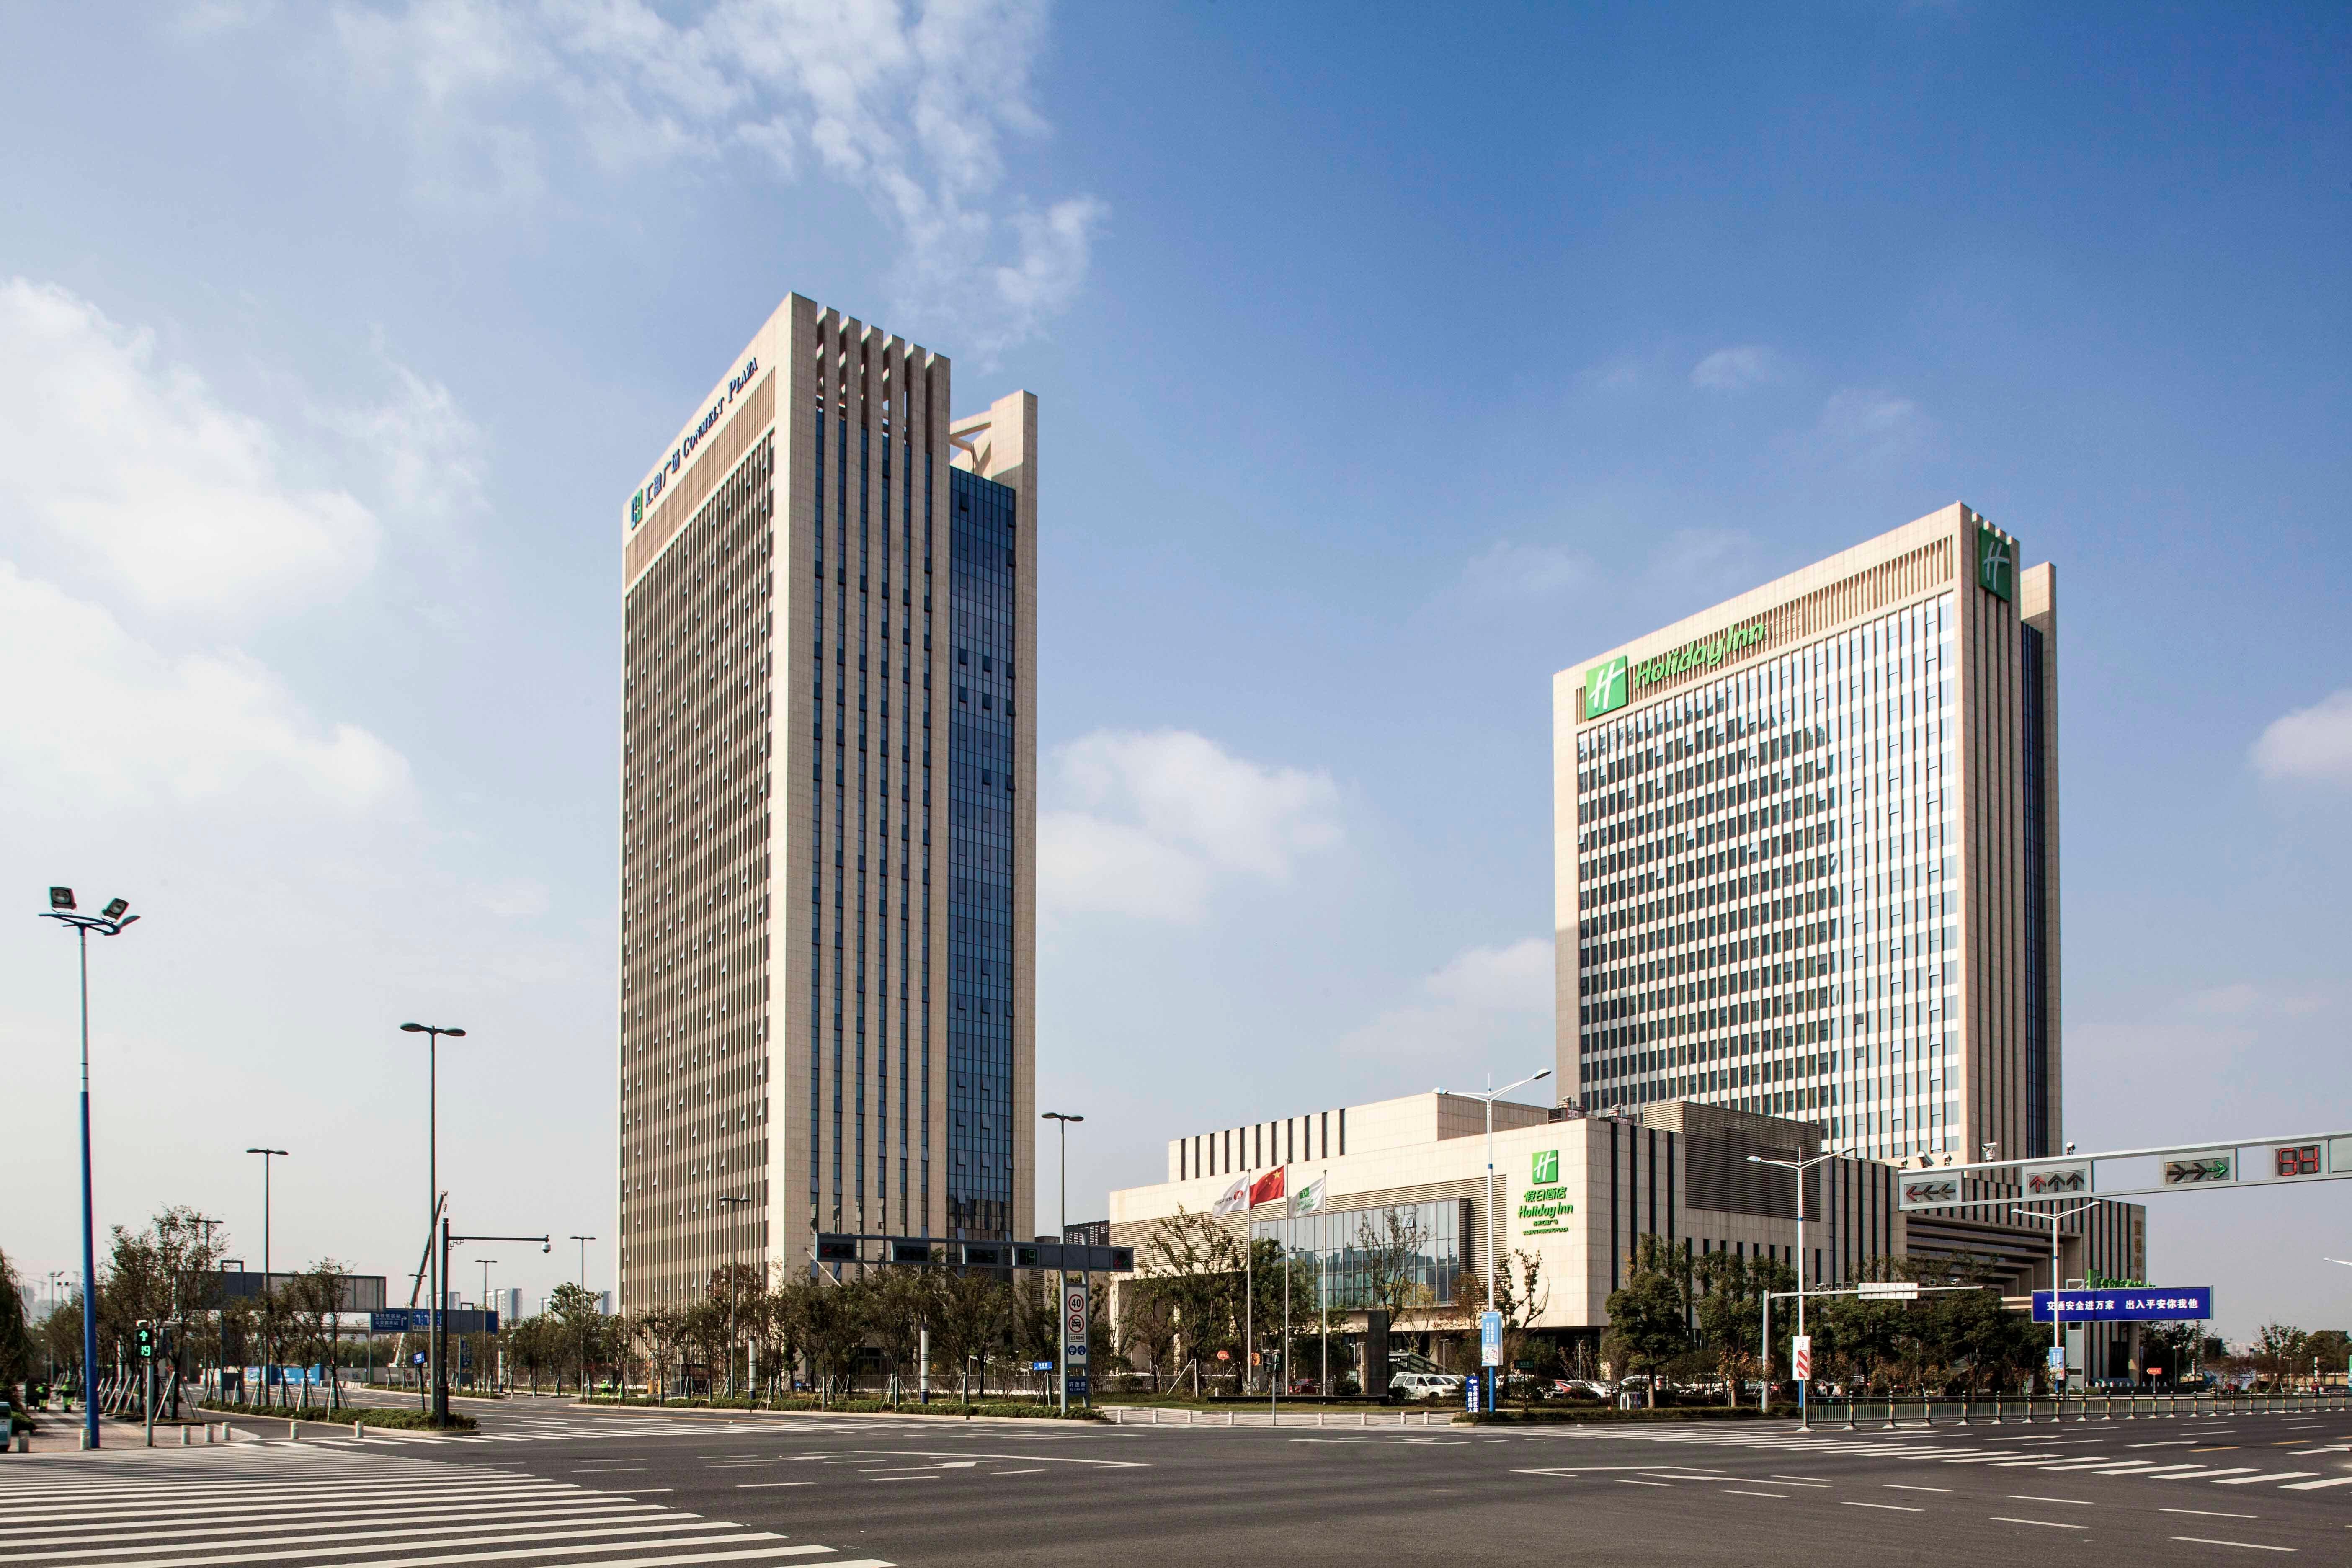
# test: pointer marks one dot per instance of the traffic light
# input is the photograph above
(146, 1341)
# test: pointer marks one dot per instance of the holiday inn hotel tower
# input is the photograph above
(1807, 853)
(827, 937)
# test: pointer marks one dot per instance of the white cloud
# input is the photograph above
(1509, 568)
(432, 459)
(97, 719)
(2310, 744)
(910, 106)
(2243, 999)
(1735, 369)
(1859, 421)
(1487, 1006)
(1149, 824)
(138, 468)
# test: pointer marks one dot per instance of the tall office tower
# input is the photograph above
(1807, 852)
(828, 814)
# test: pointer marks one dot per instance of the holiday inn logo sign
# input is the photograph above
(1609, 687)
(1542, 1212)
(1996, 562)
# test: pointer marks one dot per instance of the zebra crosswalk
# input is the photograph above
(290, 1508)
(2321, 1471)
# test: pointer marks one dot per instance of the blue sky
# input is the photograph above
(1390, 359)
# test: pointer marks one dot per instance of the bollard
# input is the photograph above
(359, 1431)
(184, 1438)
(1964, 1409)
(1927, 1413)
(85, 1438)
(293, 1431)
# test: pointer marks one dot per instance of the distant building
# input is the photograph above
(1806, 852)
(828, 811)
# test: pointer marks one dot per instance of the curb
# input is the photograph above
(682, 1414)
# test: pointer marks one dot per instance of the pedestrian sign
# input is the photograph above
(1801, 1356)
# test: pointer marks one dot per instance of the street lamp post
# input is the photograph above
(484, 1308)
(268, 1303)
(1799, 1167)
(1062, 1276)
(111, 921)
(730, 1202)
(437, 1332)
(2057, 1318)
(441, 1384)
(583, 1241)
(1490, 1096)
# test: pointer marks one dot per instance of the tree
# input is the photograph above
(902, 1304)
(1647, 1316)
(1197, 1265)
(2279, 1349)
(15, 1340)
(311, 1300)
(833, 1321)
(1394, 1262)
(579, 1325)
(1730, 1311)
(1148, 1324)
(972, 1309)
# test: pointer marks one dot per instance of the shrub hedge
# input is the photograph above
(1024, 1410)
(403, 1418)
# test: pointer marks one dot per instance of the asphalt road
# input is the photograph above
(2164, 1491)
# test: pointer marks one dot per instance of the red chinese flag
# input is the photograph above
(1266, 1188)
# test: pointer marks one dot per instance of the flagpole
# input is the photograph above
(1290, 1212)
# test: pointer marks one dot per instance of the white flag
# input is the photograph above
(1309, 1197)
(1236, 1197)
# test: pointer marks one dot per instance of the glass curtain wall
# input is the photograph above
(1769, 917)
(1398, 1255)
(980, 829)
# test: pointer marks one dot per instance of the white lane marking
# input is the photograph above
(587, 1509)
(377, 1541)
(2069, 1501)
(2205, 1513)
(764, 1486)
(927, 1475)
(2274, 1475)
(1630, 1481)
(1892, 1507)
(1898, 1486)
(1805, 1480)
(2318, 1486)
(1735, 1491)
(2044, 1523)
(2247, 1545)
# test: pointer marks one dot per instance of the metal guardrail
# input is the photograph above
(1845, 1414)
(1865, 1414)
(1134, 1415)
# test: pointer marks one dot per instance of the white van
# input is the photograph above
(1425, 1385)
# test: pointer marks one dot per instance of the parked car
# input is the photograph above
(1580, 1388)
(1425, 1385)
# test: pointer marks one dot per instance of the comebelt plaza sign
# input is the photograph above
(1610, 686)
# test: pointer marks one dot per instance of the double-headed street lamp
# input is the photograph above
(436, 1342)
(111, 921)
(1062, 1276)
(583, 1241)
(2057, 1283)
(1799, 1167)
(1490, 1096)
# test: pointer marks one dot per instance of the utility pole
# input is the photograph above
(436, 1335)
(1490, 1096)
